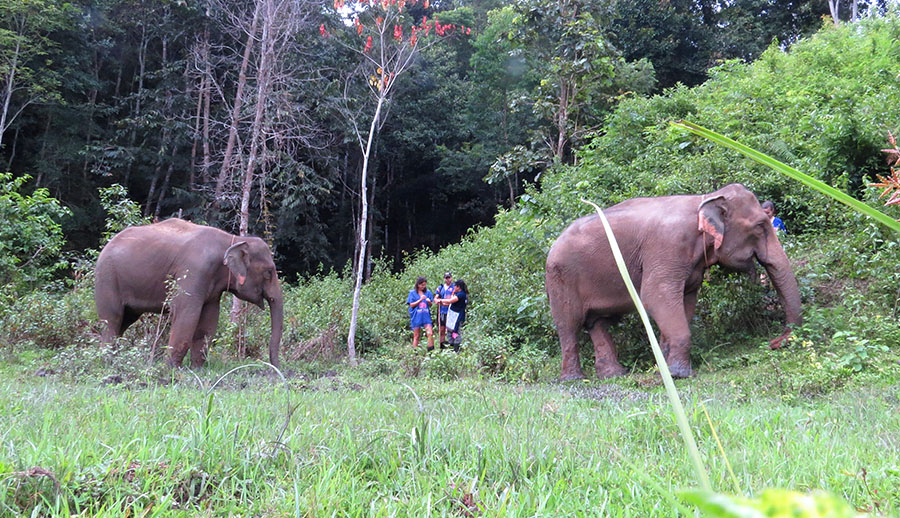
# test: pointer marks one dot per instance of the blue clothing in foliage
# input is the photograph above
(778, 224)
(420, 315)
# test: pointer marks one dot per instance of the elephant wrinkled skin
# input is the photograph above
(134, 266)
(668, 243)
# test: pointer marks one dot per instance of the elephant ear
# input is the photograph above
(237, 259)
(711, 219)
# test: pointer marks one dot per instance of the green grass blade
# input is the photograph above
(785, 169)
(680, 416)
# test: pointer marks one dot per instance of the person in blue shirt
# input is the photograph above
(769, 208)
(443, 292)
(458, 302)
(419, 301)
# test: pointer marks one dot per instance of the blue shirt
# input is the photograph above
(423, 306)
(778, 224)
(445, 292)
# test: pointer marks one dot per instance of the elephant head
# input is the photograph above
(738, 234)
(254, 278)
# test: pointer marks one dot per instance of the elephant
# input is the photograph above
(134, 266)
(668, 243)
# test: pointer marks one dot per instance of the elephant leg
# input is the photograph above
(109, 311)
(690, 306)
(129, 316)
(669, 312)
(185, 316)
(113, 324)
(569, 319)
(568, 341)
(206, 328)
(606, 361)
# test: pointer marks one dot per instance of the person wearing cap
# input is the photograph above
(444, 292)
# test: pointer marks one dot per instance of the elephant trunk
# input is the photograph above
(276, 308)
(779, 270)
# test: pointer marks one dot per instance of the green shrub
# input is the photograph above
(31, 237)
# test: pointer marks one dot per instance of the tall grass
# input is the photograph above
(359, 447)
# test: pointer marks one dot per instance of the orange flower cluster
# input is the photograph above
(424, 28)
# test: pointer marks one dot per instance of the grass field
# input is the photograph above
(340, 443)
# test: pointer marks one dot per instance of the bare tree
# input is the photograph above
(25, 27)
(265, 118)
(385, 55)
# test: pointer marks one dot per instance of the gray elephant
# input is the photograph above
(134, 266)
(668, 243)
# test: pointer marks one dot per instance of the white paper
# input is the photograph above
(452, 317)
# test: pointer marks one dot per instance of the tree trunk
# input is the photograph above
(43, 153)
(164, 138)
(361, 244)
(12, 149)
(92, 104)
(562, 117)
(165, 185)
(10, 80)
(264, 73)
(142, 63)
(195, 136)
(834, 7)
(236, 109)
(367, 258)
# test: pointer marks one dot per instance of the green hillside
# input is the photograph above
(825, 108)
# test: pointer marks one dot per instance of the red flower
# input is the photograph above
(368, 46)
(379, 20)
(468, 31)
(359, 29)
(322, 30)
(398, 32)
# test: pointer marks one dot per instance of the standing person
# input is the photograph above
(444, 292)
(419, 301)
(769, 208)
(457, 313)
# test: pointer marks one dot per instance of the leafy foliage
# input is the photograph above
(31, 237)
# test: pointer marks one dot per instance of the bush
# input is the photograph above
(31, 237)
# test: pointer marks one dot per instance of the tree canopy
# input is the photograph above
(210, 109)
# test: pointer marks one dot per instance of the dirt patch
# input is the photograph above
(607, 392)
(833, 291)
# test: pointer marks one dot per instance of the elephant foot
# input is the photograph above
(681, 370)
(572, 376)
(611, 371)
(781, 341)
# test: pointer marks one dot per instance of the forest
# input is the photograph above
(370, 143)
(161, 98)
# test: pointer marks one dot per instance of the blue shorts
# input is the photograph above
(420, 319)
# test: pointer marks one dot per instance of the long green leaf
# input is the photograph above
(680, 416)
(805, 179)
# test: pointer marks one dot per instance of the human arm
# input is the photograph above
(414, 299)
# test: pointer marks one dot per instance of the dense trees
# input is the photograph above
(229, 111)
